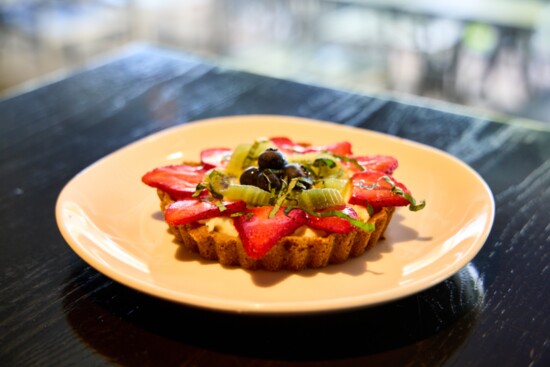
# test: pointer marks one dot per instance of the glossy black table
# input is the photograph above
(56, 310)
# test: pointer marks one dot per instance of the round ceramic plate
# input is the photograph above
(112, 221)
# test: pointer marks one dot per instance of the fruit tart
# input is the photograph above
(277, 204)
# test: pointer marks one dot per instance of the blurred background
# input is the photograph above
(489, 55)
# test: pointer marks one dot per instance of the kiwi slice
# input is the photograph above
(246, 155)
(254, 152)
(319, 165)
(339, 184)
(235, 165)
(217, 182)
(250, 194)
(307, 158)
(320, 198)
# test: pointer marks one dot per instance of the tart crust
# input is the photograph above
(290, 253)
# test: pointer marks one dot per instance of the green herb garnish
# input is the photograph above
(324, 162)
(413, 206)
(367, 227)
(198, 189)
(220, 205)
(350, 160)
(285, 192)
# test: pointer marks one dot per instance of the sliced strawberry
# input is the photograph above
(342, 148)
(288, 146)
(333, 223)
(370, 187)
(259, 233)
(178, 181)
(216, 157)
(281, 141)
(381, 163)
(191, 210)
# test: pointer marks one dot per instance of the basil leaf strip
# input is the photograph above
(413, 206)
(367, 227)
(285, 191)
(220, 205)
(347, 159)
(198, 190)
(324, 162)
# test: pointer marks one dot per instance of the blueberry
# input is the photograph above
(295, 170)
(268, 181)
(271, 159)
(249, 176)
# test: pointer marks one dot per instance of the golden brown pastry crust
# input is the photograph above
(291, 252)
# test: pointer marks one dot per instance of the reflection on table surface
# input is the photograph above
(164, 333)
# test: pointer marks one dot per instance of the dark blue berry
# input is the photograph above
(268, 181)
(249, 176)
(294, 170)
(271, 159)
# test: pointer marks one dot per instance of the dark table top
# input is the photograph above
(57, 310)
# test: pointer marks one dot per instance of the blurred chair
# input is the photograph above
(72, 30)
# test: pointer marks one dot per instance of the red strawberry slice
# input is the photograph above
(381, 163)
(178, 181)
(259, 233)
(216, 157)
(342, 148)
(370, 187)
(191, 210)
(288, 146)
(281, 141)
(333, 223)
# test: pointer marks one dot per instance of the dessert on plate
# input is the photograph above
(277, 204)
